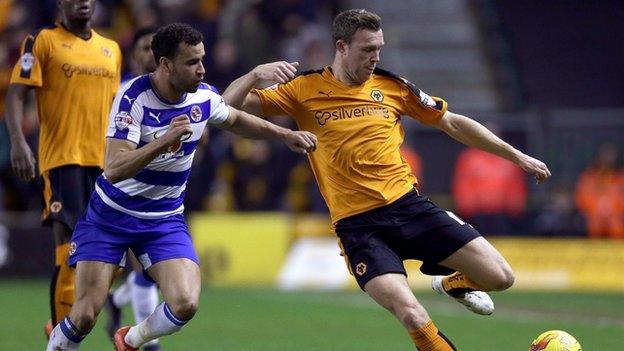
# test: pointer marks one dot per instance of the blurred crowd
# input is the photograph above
(232, 173)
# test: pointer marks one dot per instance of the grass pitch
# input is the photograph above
(269, 320)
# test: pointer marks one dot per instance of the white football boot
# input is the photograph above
(478, 302)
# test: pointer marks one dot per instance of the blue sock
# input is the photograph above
(70, 331)
(173, 319)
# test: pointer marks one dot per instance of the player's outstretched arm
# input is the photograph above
(22, 158)
(123, 160)
(474, 134)
(237, 93)
(253, 127)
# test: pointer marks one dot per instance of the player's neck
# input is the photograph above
(81, 29)
(341, 75)
(163, 88)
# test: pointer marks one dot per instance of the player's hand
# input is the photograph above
(179, 129)
(300, 141)
(535, 167)
(279, 72)
(22, 160)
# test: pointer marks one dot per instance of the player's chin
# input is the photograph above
(193, 88)
(365, 75)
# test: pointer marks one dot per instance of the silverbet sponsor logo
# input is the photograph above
(69, 70)
(341, 113)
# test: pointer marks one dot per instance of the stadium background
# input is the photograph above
(547, 74)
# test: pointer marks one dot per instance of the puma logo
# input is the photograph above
(154, 116)
(325, 93)
(129, 99)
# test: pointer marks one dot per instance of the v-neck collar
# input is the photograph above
(74, 34)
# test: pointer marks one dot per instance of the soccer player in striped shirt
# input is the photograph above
(137, 291)
(155, 125)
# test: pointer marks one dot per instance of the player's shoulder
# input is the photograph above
(208, 88)
(380, 73)
(43, 33)
(134, 87)
(311, 73)
(304, 78)
(425, 99)
(106, 44)
(103, 38)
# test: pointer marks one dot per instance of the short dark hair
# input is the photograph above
(348, 22)
(167, 39)
(141, 32)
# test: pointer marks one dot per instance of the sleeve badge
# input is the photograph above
(123, 120)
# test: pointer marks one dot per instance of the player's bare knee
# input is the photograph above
(510, 278)
(412, 316)
(184, 307)
(504, 279)
(84, 319)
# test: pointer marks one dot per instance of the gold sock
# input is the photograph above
(457, 284)
(62, 289)
(429, 338)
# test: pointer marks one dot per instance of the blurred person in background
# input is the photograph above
(489, 192)
(558, 216)
(599, 194)
(15, 24)
(75, 73)
(380, 218)
(141, 293)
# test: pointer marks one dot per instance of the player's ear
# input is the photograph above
(341, 46)
(165, 63)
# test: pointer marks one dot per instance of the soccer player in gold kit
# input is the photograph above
(354, 109)
(75, 73)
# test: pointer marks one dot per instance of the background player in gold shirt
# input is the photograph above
(75, 73)
(354, 109)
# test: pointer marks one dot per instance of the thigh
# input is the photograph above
(62, 233)
(178, 279)
(434, 237)
(367, 255)
(478, 259)
(66, 194)
(91, 242)
(168, 240)
(390, 289)
(93, 281)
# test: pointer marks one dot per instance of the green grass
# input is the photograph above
(265, 319)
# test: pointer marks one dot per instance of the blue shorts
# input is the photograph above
(104, 234)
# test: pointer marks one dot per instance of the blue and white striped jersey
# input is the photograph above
(141, 116)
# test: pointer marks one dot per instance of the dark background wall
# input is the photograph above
(566, 53)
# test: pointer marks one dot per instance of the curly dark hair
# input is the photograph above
(167, 39)
(348, 22)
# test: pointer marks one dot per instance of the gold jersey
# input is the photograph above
(357, 163)
(75, 82)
